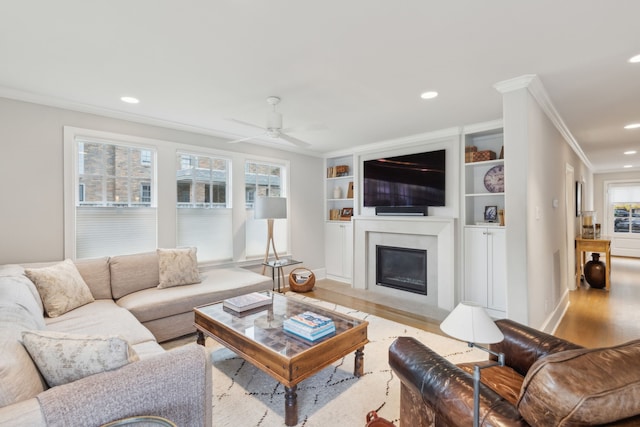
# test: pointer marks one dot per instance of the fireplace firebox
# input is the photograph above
(402, 268)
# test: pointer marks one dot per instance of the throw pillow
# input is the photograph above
(178, 267)
(63, 358)
(583, 387)
(61, 287)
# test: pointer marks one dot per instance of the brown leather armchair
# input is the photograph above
(435, 392)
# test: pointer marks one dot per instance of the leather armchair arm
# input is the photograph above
(523, 345)
(445, 388)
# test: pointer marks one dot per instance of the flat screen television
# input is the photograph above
(405, 181)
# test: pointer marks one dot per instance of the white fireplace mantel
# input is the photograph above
(439, 227)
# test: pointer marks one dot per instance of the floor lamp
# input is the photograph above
(470, 322)
(270, 208)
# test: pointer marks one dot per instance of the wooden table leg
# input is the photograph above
(290, 406)
(608, 267)
(358, 366)
(200, 339)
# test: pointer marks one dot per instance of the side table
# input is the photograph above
(278, 264)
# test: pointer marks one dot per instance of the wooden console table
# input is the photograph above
(592, 245)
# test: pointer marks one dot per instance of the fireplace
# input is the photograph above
(402, 268)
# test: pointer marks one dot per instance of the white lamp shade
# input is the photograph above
(470, 322)
(270, 208)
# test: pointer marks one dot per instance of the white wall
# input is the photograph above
(537, 253)
(31, 177)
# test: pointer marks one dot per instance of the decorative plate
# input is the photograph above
(494, 179)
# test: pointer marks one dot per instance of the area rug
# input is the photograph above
(244, 396)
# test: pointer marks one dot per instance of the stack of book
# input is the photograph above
(309, 325)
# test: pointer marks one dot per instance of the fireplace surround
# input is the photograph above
(434, 234)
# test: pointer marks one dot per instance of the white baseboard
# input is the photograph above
(553, 320)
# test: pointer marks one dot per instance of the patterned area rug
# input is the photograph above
(244, 396)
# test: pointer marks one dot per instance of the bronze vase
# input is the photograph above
(595, 271)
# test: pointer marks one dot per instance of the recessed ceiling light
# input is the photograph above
(630, 152)
(428, 95)
(129, 99)
(634, 59)
(627, 166)
(632, 126)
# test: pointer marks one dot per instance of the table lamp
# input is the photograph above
(470, 322)
(270, 208)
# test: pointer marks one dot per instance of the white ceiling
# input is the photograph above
(357, 66)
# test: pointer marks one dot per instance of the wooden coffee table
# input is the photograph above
(258, 338)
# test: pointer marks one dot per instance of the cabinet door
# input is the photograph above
(475, 265)
(347, 254)
(497, 274)
(333, 248)
(338, 252)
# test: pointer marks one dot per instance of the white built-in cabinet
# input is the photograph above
(338, 250)
(484, 242)
(340, 195)
(485, 275)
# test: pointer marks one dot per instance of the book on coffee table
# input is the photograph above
(309, 325)
(247, 302)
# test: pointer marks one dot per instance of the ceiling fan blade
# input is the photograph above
(311, 127)
(246, 139)
(246, 124)
(294, 141)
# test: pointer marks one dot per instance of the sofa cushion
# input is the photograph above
(61, 287)
(178, 267)
(63, 358)
(101, 317)
(132, 273)
(96, 275)
(217, 284)
(583, 387)
(502, 379)
(19, 376)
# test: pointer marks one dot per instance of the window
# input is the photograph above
(264, 180)
(203, 206)
(624, 205)
(115, 212)
(145, 158)
(145, 192)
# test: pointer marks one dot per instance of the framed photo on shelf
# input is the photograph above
(491, 213)
(346, 214)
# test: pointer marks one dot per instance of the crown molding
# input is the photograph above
(534, 85)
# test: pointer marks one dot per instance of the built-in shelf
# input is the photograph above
(339, 184)
(476, 196)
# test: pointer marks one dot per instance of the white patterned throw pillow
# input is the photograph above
(178, 267)
(61, 287)
(63, 358)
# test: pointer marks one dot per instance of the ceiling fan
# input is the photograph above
(274, 127)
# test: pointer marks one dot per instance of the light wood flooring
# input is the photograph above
(595, 318)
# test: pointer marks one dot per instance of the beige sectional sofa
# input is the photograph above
(174, 384)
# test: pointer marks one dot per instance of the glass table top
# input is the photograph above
(264, 325)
